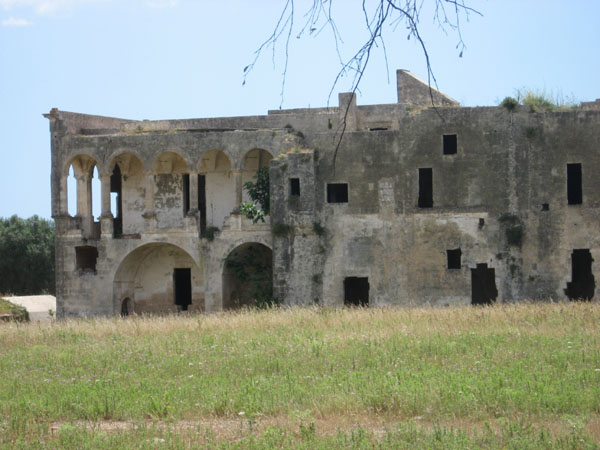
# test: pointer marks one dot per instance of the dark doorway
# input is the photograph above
(182, 280)
(574, 184)
(582, 283)
(483, 285)
(356, 291)
(126, 307)
(202, 201)
(248, 277)
(425, 188)
(116, 187)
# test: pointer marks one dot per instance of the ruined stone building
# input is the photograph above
(416, 205)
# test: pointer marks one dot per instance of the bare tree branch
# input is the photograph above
(378, 14)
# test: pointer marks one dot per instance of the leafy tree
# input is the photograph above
(259, 193)
(26, 256)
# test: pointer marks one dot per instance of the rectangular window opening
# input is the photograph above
(86, 257)
(450, 145)
(295, 186)
(337, 193)
(202, 201)
(356, 291)
(453, 258)
(182, 281)
(574, 184)
(378, 129)
(425, 188)
(186, 193)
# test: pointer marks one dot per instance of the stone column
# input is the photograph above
(193, 194)
(149, 213)
(84, 203)
(237, 177)
(105, 195)
(106, 216)
(63, 196)
(149, 196)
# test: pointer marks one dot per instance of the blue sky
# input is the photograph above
(167, 59)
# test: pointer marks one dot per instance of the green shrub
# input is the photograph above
(510, 103)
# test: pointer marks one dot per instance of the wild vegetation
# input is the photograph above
(539, 101)
(507, 376)
(10, 311)
(26, 256)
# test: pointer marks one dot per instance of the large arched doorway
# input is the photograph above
(248, 276)
(159, 278)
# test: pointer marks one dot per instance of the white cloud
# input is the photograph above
(12, 22)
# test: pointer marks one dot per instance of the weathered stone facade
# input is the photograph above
(415, 204)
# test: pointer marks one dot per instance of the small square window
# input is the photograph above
(450, 146)
(453, 257)
(337, 193)
(295, 186)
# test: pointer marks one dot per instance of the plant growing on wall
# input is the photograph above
(251, 268)
(258, 191)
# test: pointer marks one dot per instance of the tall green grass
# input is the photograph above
(529, 368)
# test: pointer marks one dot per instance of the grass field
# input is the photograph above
(508, 376)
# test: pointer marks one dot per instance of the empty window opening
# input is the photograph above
(377, 128)
(96, 190)
(295, 186)
(116, 191)
(186, 193)
(182, 286)
(545, 207)
(450, 146)
(71, 192)
(337, 193)
(86, 257)
(582, 283)
(202, 201)
(126, 307)
(483, 285)
(574, 184)
(425, 188)
(356, 291)
(481, 223)
(453, 257)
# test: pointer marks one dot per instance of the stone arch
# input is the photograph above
(256, 158)
(82, 162)
(216, 188)
(147, 276)
(169, 189)
(168, 163)
(253, 160)
(248, 276)
(129, 163)
(84, 166)
(127, 193)
(214, 161)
